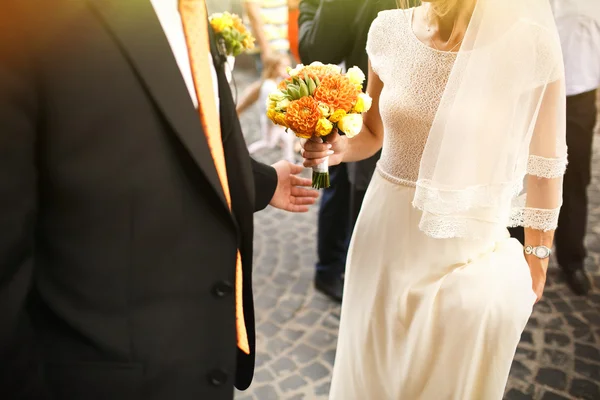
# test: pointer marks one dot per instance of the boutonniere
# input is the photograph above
(233, 38)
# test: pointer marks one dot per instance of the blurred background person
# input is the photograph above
(215, 6)
(268, 20)
(275, 69)
(578, 24)
(335, 31)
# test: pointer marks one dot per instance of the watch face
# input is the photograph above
(541, 252)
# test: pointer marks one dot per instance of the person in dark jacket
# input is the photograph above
(325, 37)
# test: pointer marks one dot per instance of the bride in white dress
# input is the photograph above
(469, 110)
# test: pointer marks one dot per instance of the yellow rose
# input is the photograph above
(220, 21)
(280, 119)
(227, 20)
(351, 125)
(303, 135)
(325, 110)
(271, 114)
(337, 116)
(356, 76)
(363, 104)
(324, 127)
(218, 24)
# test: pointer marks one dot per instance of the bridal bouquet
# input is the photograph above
(233, 37)
(314, 100)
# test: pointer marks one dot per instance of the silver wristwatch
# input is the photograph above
(540, 252)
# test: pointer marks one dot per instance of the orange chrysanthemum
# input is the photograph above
(337, 92)
(302, 116)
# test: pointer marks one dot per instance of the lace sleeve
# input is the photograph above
(378, 43)
(539, 207)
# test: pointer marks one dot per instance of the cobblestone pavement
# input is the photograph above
(558, 357)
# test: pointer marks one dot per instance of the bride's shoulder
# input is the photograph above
(389, 18)
(386, 36)
(394, 15)
(386, 25)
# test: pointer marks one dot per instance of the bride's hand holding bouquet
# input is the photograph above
(316, 151)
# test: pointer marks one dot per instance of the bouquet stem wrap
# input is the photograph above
(320, 175)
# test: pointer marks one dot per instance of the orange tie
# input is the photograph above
(195, 24)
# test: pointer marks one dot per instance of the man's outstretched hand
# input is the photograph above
(292, 193)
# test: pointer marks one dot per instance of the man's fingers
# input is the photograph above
(298, 209)
(296, 169)
(298, 181)
(304, 194)
(304, 201)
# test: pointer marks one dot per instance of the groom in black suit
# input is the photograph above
(117, 246)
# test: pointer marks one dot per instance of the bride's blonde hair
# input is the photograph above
(440, 7)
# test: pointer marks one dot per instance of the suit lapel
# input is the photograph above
(238, 161)
(139, 32)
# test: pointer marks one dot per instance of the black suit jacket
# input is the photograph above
(117, 247)
(335, 31)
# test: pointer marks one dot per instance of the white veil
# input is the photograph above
(496, 152)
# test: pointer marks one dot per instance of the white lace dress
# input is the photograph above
(422, 318)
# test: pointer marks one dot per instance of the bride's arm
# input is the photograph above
(340, 148)
(544, 180)
(370, 139)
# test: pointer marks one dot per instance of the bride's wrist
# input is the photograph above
(537, 264)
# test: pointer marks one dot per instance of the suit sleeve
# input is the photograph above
(323, 26)
(265, 183)
(20, 370)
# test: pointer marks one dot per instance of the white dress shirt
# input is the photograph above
(168, 15)
(578, 24)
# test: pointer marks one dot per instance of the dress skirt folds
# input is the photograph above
(424, 318)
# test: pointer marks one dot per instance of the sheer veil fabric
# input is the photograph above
(566, 8)
(496, 152)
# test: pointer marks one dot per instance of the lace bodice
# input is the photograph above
(414, 77)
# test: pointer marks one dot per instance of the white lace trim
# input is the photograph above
(546, 167)
(535, 218)
(452, 226)
(453, 201)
